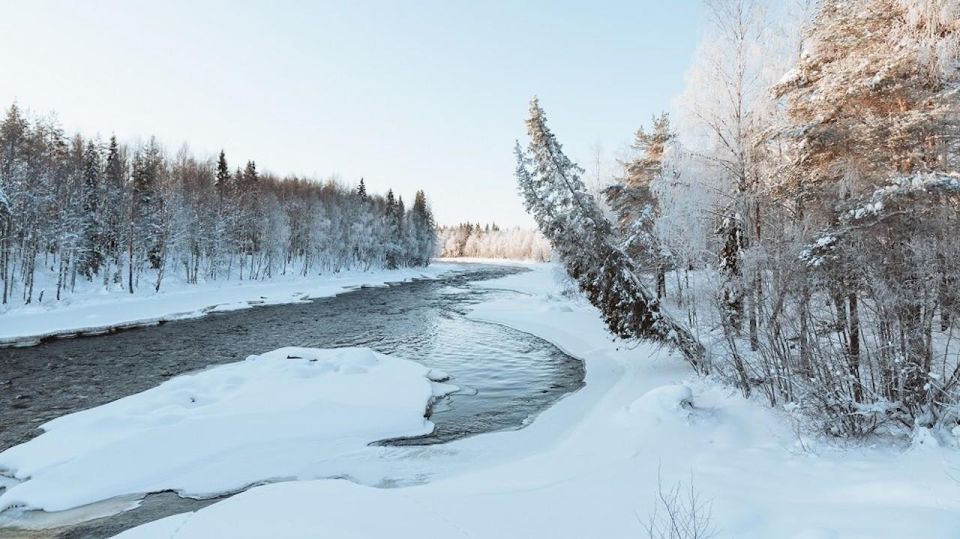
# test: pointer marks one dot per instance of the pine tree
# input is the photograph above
(584, 241)
(874, 120)
(632, 199)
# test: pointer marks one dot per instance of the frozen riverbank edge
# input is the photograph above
(590, 465)
(102, 312)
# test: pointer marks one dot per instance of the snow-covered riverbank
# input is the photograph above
(98, 311)
(590, 465)
(285, 414)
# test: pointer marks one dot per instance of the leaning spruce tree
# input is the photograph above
(585, 243)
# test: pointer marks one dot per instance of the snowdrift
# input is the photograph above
(280, 415)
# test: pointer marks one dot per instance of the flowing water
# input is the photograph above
(506, 376)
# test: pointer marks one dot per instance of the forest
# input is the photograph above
(793, 229)
(492, 241)
(78, 214)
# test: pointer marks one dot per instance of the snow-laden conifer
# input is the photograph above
(584, 242)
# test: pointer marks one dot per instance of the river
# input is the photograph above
(506, 376)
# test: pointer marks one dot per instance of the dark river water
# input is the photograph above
(506, 376)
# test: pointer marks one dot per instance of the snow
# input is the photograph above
(901, 186)
(666, 404)
(283, 414)
(589, 466)
(95, 310)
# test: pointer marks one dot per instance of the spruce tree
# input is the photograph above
(425, 229)
(584, 241)
(362, 191)
(390, 223)
(399, 232)
(250, 208)
(114, 208)
(91, 252)
(250, 176)
(222, 181)
(147, 201)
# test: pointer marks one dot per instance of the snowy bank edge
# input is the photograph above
(254, 298)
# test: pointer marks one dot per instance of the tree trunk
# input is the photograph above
(130, 265)
(854, 345)
(661, 282)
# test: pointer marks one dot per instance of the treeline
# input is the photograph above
(796, 231)
(76, 211)
(491, 241)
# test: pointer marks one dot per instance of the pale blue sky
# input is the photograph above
(409, 94)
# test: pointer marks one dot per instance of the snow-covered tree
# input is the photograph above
(874, 121)
(422, 226)
(91, 244)
(115, 211)
(492, 241)
(147, 208)
(584, 241)
(633, 200)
